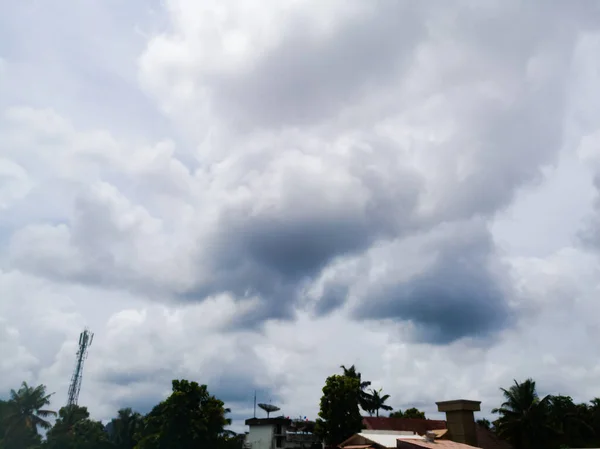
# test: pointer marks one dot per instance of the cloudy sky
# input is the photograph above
(250, 194)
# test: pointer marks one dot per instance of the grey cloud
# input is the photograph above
(333, 297)
(461, 294)
(307, 79)
(506, 138)
(235, 387)
(231, 386)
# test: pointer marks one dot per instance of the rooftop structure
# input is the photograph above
(280, 432)
(459, 427)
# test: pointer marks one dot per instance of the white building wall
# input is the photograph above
(261, 437)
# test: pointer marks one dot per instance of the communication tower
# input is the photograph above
(85, 341)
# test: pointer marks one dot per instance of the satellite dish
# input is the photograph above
(269, 408)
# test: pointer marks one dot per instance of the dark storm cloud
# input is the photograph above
(273, 256)
(502, 138)
(459, 296)
(334, 296)
(297, 249)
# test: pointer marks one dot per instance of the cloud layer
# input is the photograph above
(252, 195)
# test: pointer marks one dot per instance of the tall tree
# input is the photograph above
(75, 430)
(525, 418)
(27, 406)
(339, 416)
(377, 402)
(570, 421)
(22, 415)
(14, 434)
(593, 419)
(124, 428)
(364, 398)
(188, 419)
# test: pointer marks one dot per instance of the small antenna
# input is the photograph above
(255, 403)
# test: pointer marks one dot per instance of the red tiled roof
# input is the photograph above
(421, 426)
(486, 439)
(440, 444)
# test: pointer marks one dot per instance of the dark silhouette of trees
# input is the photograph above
(411, 413)
(364, 398)
(191, 417)
(377, 402)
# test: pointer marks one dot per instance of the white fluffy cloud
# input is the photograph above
(251, 195)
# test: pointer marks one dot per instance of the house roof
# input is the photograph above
(358, 446)
(489, 440)
(384, 439)
(420, 426)
(485, 438)
(438, 444)
(268, 421)
(369, 438)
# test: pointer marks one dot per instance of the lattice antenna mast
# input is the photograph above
(85, 341)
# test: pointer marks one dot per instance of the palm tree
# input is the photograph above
(124, 428)
(364, 398)
(27, 407)
(377, 402)
(524, 417)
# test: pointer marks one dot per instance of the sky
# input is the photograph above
(251, 194)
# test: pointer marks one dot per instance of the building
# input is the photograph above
(280, 432)
(459, 426)
(388, 439)
(378, 439)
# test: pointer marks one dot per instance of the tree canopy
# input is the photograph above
(339, 415)
(411, 413)
(553, 421)
(188, 419)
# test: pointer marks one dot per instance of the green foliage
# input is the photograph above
(364, 398)
(524, 417)
(552, 422)
(125, 428)
(339, 417)
(22, 415)
(411, 413)
(75, 430)
(27, 407)
(190, 418)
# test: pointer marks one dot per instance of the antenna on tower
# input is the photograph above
(85, 341)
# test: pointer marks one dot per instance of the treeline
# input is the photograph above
(189, 418)
(524, 419)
